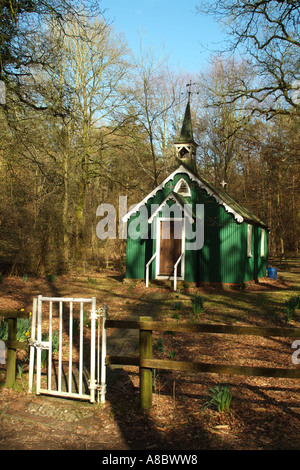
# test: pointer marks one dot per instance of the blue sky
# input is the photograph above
(172, 25)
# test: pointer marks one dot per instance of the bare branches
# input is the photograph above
(24, 29)
(267, 32)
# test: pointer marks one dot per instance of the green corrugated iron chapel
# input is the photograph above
(189, 229)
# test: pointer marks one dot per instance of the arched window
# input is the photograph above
(182, 188)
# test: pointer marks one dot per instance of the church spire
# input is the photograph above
(186, 134)
(186, 146)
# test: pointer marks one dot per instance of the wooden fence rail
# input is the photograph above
(12, 344)
(146, 363)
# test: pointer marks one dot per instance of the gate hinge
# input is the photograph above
(94, 385)
(101, 388)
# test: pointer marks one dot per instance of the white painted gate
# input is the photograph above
(67, 335)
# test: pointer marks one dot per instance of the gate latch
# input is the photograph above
(39, 344)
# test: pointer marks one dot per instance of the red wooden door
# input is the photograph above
(170, 249)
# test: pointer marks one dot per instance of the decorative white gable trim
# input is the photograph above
(182, 169)
(135, 209)
(172, 197)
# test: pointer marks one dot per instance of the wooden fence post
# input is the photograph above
(11, 353)
(145, 373)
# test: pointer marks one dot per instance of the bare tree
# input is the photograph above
(24, 45)
(267, 33)
(58, 148)
(221, 124)
(152, 95)
(91, 68)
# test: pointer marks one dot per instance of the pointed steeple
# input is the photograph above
(185, 145)
(186, 135)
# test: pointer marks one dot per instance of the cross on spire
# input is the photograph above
(190, 90)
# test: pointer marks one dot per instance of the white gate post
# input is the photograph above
(32, 347)
(93, 318)
(50, 347)
(70, 345)
(39, 339)
(103, 355)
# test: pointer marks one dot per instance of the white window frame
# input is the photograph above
(249, 241)
(262, 243)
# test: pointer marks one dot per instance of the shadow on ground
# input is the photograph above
(143, 430)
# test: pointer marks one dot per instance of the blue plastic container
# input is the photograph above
(272, 273)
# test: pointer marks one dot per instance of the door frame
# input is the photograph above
(158, 222)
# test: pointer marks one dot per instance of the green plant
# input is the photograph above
(86, 319)
(220, 397)
(25, 278)
(160, 344)
(172, 355)
(176, 316)
(197, 304)
(55, 342)
(20, 371)
(191, 318)
(44, 352)
(23, 328)
(55, 346)
(3, 329)
(290, 306)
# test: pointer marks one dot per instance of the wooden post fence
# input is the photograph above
(146, 363)
(145, 372)
(12, 344)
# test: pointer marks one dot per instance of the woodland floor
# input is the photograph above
(264, 412)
